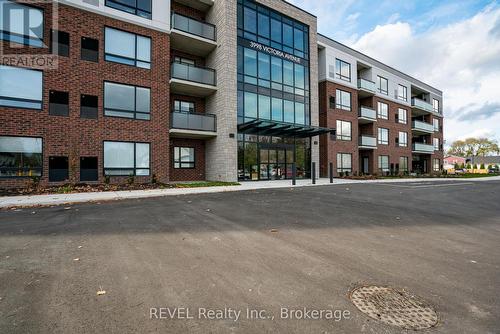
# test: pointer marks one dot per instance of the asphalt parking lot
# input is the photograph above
(260, 250)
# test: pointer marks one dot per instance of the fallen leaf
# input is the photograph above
(101, 292)
(77, 259)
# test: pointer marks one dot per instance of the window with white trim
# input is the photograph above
(436, 165)
(383, 136)
(402, 116)
(126, 158)
(383, 163)
(403, 139)
(435, 105)
(436, 144)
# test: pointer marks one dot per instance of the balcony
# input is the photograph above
(366, 115)
(192, 36)
(422, 148)
(421, 107)
(366, 88)
(421, 128)
(202, 5)
(192, 80)
(367, 142)
(192, 125)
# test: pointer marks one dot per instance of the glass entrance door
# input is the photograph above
(275, 164)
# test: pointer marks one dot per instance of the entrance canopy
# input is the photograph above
(281, 129)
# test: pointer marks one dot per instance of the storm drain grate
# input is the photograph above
(394, 307)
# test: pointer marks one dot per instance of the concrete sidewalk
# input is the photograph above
(59, 199)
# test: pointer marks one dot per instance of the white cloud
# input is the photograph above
(462, 59)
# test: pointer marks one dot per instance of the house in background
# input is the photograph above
(493, 160)
(451, 160)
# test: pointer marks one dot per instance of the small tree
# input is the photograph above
(475, 166)
(469, 166)
(462, 165)
(490, 166)
(482, 166)
(456, 166)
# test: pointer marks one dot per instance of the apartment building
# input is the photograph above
(385, 120)
(198, 90)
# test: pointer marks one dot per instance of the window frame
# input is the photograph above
(22, 99)
(379, 114)
(379, 166)
(135, 60)
(435, 101)
(436, 143)
(52, 112)
(401, 120)
(400, 143)
(338, 100)
(338, 70)
(435, 124)
(54, 42)
(339, 134)
(434, 167)
(82, 38)
(379, 88)
(136, 10)
(379, 137)
(400, 164)
(135, 159)
(340, 159)
(134, 112)
(180, 101)
(192, 164)
(403, 97)
(38, 168)
(24, 37)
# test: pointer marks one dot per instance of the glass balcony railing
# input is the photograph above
(366, 112)
(418, 125)
(192, 26)
(367, 141)
(421, 104)
(193, 73)
(421, 147)
(366, 85)
(193, 121)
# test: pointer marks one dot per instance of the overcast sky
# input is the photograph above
(452, 45)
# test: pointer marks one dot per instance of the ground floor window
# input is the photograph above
(403, 164)
(21, 87)
(272, 158)
(436, 165)
(88, 169)
(383, 163)
(184, 157)
(58, 169)
(344, 162)
(20, 156)
(126, 158)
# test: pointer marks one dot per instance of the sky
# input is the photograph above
(451, 45)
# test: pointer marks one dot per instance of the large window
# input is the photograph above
(383, 136)
(21, 24)
(402, 93)
(20, 156)
(342, 70)
(403, 164)
(184, 157)
(436, 144)
(402, 116)
(344, 130)
(382, 110)
(343, 99)
(126, 158)
(260, 24)
(435, 105)
(126, 101)
(436, 165)
(383, 163)
(403, 139)
(20, 87)
(137, 7)
(127, 48)
(344, 162)
(383, 85)
(435, 124)
(183, 106)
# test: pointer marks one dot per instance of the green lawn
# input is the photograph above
(206, 184)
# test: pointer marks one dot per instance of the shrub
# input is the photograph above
(469, 166)
(130, 179)
(456, 166)
(35, 182)
(107, 179)
(475, 166)
(341, 174)
(490, 166)
(154, 180)
(482, 166)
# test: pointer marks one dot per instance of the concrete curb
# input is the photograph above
(60, 199)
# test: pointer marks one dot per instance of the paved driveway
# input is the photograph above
(260, 250)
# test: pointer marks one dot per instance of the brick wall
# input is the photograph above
(74, 136)
(188, 174)
(187, 11)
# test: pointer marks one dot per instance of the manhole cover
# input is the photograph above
(394, 307)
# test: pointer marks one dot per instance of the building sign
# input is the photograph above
(271, 51)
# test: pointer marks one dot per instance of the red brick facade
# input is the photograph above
(77, 137)
(329, 147)
(188, 174)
